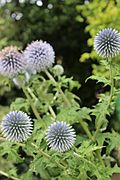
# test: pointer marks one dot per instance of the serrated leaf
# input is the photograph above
(86, 148)
(20, 104)
(100, 111)
(84, 113)
(68, 114)
(114, 141)
(103, 80)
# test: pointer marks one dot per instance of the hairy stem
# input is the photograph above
(86, 129)
(9, 176)
(35, 98)
(52, 112)
(36, 113)
(48, 156)
(98, 153)
(60, 90)
(31, 93)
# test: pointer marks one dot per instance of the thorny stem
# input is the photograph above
(110, 99)
(36, 113)
(60, 90)
(9, 176)
(47, 156)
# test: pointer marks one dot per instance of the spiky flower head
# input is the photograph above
(39, 56)
(107, 43)
(11, 62)
(58, 70)
(16, 126)
(60, 136)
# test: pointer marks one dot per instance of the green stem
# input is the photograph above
(98, 127)
(60, 90)
(7, 175)
(47, 156)
(41, 151)
(35, 98)
(86, 129)
(52, 112)
(112, 84)
(36, 113)
(32, 94)
(99, 157)
(110, 99)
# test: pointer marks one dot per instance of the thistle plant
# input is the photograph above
(107, 45)
(57, 150)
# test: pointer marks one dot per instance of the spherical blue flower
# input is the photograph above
(107, 43)
(11, 62)
(39, 56)
(60, 136)
(16, 126)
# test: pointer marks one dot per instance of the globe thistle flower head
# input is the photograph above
(16, 126)
(60, 136)
(11, 62)
(39, 56)
(107, 43)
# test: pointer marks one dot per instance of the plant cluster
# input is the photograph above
(47, 131)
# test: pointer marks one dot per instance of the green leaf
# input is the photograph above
(20, 104)
(99, 79)
(68, 114)
(113, 140)
(28, 175)
(84, 113)
(100, 111)
(74, 114)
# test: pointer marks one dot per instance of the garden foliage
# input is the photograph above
(48, 97)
